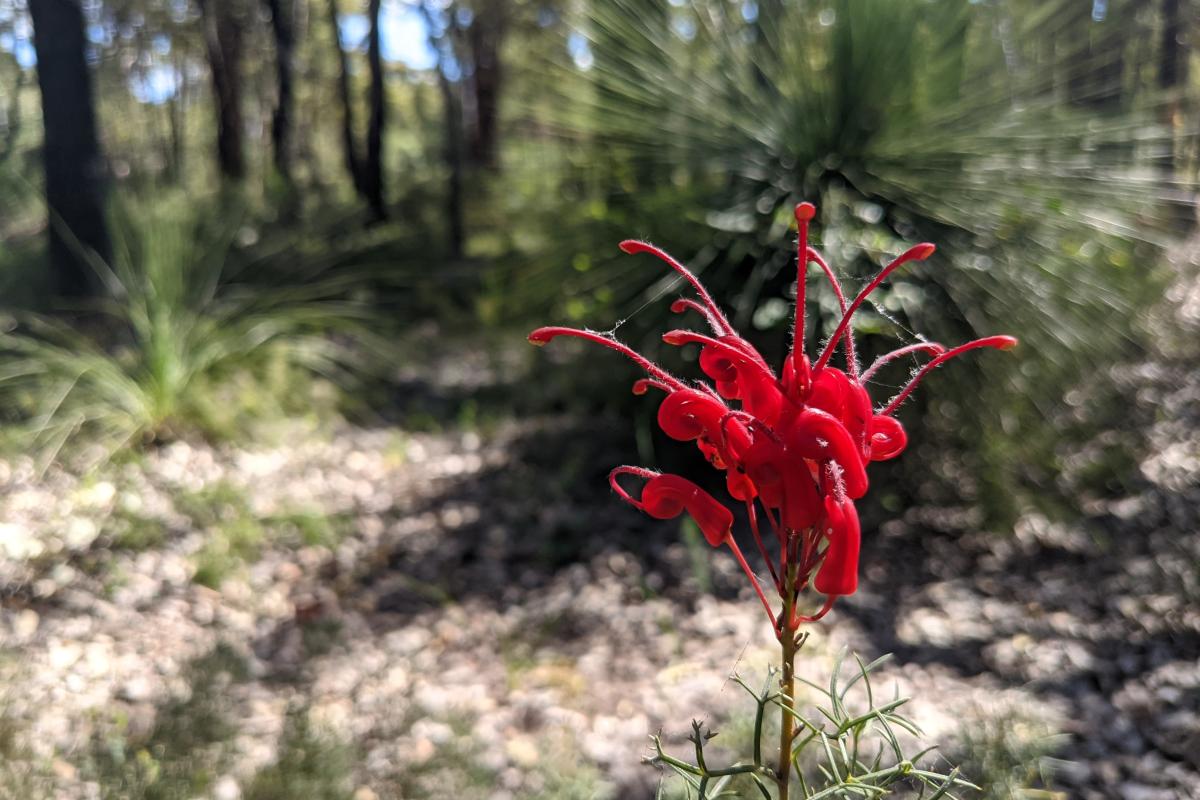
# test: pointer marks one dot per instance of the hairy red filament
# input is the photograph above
(632, 246)
(994, 342)
(921, 347)
(543, 335)
(685, 304)
(641, 385)
(804, 214)
(918, 252)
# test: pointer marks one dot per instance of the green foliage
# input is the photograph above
(21, 776)
(1011, 755)
(131, 531)
(311, 764)
(851, 747)
(167, 353)
(188, 746)
(234, 535)
(1016, 139)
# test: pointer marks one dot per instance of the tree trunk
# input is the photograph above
(485, 36)
(453, 149)
(71, 151)
(373, 173)
(349, 145)
(283, 26)
(223, 40)
(1172, 61)
(177, 105)
(1172, 78)
(451, 131)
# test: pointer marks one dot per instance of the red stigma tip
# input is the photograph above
(1006, 342)
(540, 337)
(631, 246)
(805, 212)
(675, 337)
(923, 251)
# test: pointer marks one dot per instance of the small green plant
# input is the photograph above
(189, 745)
(312, 764)
(128, 530)
(235, 535)
(21, 774)
(160, 356)
(309, 528)
(1011, 755)
(848, 748)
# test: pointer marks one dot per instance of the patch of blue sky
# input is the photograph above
(580, 50)
(155, 85)
(403, 35)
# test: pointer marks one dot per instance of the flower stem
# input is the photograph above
(787, 684)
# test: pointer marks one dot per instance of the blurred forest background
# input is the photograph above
(289, 508)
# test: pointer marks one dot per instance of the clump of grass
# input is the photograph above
(235, 535)
(128, 530)
(312, 764)
(21, 775)
(172, 347)
(310, 527)
(188, 747)
(1010, 755)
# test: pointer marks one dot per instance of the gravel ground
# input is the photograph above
(472, 615)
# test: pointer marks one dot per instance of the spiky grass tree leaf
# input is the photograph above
(1016, 133)
(152, 359)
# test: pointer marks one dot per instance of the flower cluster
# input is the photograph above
(794, 444)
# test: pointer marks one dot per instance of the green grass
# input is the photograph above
(312, 764)
(237, 536)
(1010, 756)
(188, 747)
(182, 344)
(128, 530)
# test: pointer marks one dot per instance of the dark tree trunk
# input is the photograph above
(1172, 61)
(451, 132)
(1173, 76)
(349, 145)
(452, 110)
(1096, 57)
(177, 122)
(373, 168)
(223, 40)
(485, 37)
(283, 26)
(71, 152)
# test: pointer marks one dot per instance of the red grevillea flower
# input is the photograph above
(794, 445)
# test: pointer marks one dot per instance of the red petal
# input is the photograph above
(801, 503)
(838, 574)
(887, 437)
(666, 496)
(689, 414)
(817, 435)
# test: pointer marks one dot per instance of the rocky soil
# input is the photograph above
(470, 614)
